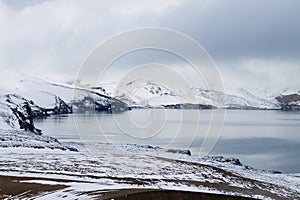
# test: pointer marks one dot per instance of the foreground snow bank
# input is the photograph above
(16, 138)
(114, 167)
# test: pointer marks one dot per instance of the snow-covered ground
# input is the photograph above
(26, 139)
(96, 168)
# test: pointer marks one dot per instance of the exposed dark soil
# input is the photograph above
(13, 187)
(10, 187)
(164, 194)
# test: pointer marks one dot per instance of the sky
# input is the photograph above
(253, 43)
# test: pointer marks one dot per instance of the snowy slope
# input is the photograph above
(141, 93)
(287, 91)
(25, 139)
(7, 119)
(251, 99)
(42, 92)
(144, 93)
(117, 167)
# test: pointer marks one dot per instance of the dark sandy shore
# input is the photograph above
(12, 187)
(163, 194)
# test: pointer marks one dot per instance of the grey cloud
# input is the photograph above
(17, 4)
(233, 29)
(54, 37)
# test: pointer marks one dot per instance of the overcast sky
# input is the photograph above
(253, 43)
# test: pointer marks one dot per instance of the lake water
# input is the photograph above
(261, 139)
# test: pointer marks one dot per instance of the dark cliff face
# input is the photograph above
(24, 110)
(89, 101)
(26, 120)
(110, 106)
(289, 102)
(288, 98)
(189, 106)
(61, 107)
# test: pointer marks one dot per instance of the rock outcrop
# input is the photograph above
(288, 98)
(19, 112)
(290, 102)
(24, 111)
(89, 100)
(61, 107)
(189, 106)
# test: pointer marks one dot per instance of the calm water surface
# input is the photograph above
(262, 139)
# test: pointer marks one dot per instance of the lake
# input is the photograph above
(259, 138)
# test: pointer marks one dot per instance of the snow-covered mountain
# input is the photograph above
(143, 93)
(46, 97)
(289, 101)
(32, 97)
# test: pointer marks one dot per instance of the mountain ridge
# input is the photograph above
(44, 98)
